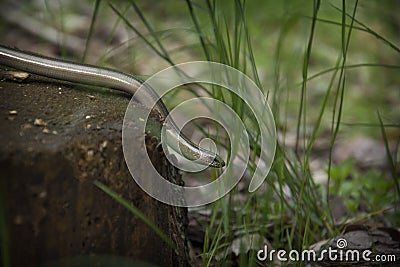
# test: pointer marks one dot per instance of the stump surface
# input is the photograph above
(56, 140)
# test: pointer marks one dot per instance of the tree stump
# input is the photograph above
(56, 140)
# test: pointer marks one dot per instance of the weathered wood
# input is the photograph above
(55, 141)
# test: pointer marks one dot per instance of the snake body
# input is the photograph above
(105, 77)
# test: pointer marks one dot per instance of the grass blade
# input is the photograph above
(91, 29)
(391, 161)
(198, 29)
(136, 212)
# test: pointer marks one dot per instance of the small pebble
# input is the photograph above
(90, 154)
(43, 194)
(13, 112)
(18, 76)
(39, 122)
(103, 145)
(26, 126)
(18, 220)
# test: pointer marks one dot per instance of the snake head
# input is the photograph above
(218, 162)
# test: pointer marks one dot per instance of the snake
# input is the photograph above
(85, 74)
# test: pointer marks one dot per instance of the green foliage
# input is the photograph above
(370, 189)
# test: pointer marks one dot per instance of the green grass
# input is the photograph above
(310, 72)
(327, 68)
